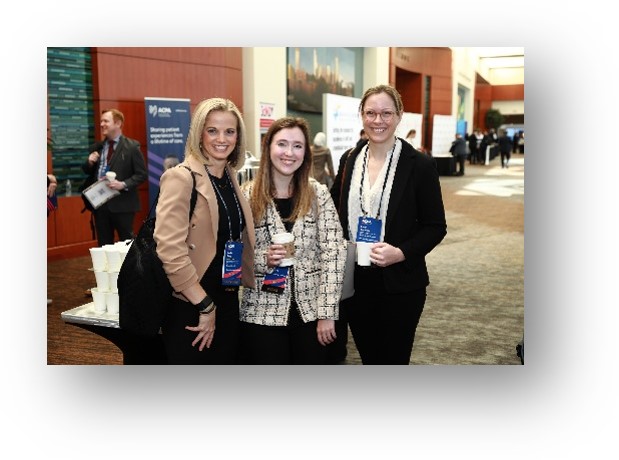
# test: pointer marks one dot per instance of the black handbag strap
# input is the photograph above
(192, 200)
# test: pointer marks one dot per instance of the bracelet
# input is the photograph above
(206, 306)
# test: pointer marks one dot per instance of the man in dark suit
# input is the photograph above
(458, 150)
(121, 155)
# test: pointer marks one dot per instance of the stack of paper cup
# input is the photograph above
(106, 263)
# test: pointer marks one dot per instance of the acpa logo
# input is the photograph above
(152, 109)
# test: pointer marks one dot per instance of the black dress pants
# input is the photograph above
(295, 343)
(383, 325)
(177, 340)
(106, 222)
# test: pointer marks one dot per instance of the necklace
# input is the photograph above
(220, 182)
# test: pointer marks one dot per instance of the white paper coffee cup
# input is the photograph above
(111, 302)
(111, 175)
(103, 280)
(287, 240)
(363, 253)
(99, 259)
(112, 254)
(98, 298)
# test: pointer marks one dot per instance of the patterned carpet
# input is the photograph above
(474, 312)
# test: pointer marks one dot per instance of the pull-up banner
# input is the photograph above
(167, 126)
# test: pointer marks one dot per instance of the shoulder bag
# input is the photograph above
(348, 288)
(144, 290)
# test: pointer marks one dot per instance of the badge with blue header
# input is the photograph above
(368, 229)
(276, 280)
(231, 270)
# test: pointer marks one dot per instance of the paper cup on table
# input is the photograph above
(122, 251)
(103, 280)
(111, 302)
(98, 298)
(363, 253)
(99, 259)
(113, 281)
(113, 257)
(111, 175)
(287, 240)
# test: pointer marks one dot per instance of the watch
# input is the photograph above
(206, 306)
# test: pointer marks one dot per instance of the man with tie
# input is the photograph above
(121, 155)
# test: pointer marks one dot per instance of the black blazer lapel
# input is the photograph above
(403, 172)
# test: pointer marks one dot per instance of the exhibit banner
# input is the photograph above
(340, 123)
(167, 127)
(443, 134)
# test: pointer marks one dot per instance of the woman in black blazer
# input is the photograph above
(398, 187)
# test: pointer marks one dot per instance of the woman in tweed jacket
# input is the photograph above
(293, 324)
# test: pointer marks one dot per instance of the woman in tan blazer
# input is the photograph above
(201, 326)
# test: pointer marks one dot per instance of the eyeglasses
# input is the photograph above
(386, 115)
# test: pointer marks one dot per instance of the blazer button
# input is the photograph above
(192, 246)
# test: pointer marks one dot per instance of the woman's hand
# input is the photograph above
(326, 331)
(383, 255)
(205, 330)
(275, 254)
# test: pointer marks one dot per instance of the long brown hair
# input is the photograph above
(263, 190)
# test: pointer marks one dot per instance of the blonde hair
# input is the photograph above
(263, 190)
(193, 147)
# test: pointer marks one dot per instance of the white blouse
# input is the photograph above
(371, 196)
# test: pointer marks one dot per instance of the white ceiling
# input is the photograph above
(493, 57)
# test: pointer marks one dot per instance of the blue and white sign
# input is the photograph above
(167, 127)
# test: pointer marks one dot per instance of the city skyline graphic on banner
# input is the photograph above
(311, 72)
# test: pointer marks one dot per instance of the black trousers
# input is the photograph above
(106, 222)
(383, 325)
(461, 159)
(505, 157)
(295, 343)
(224, 347)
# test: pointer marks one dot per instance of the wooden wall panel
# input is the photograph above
(508, 93)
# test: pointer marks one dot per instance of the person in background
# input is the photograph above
(515, 140)
(472, 141)
(363, 138)
(322, 161)
(122, 155)
(208, 256)
(412, 139)
(52, 184)
(458, 150)
(170, 161)
(289, 316)
(388, 192)
(505, 149)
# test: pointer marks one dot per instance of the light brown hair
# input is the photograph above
(263, 190)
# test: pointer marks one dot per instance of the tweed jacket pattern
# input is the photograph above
(187, 248)
(318, 274)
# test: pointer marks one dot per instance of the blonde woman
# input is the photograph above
(207, 256)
